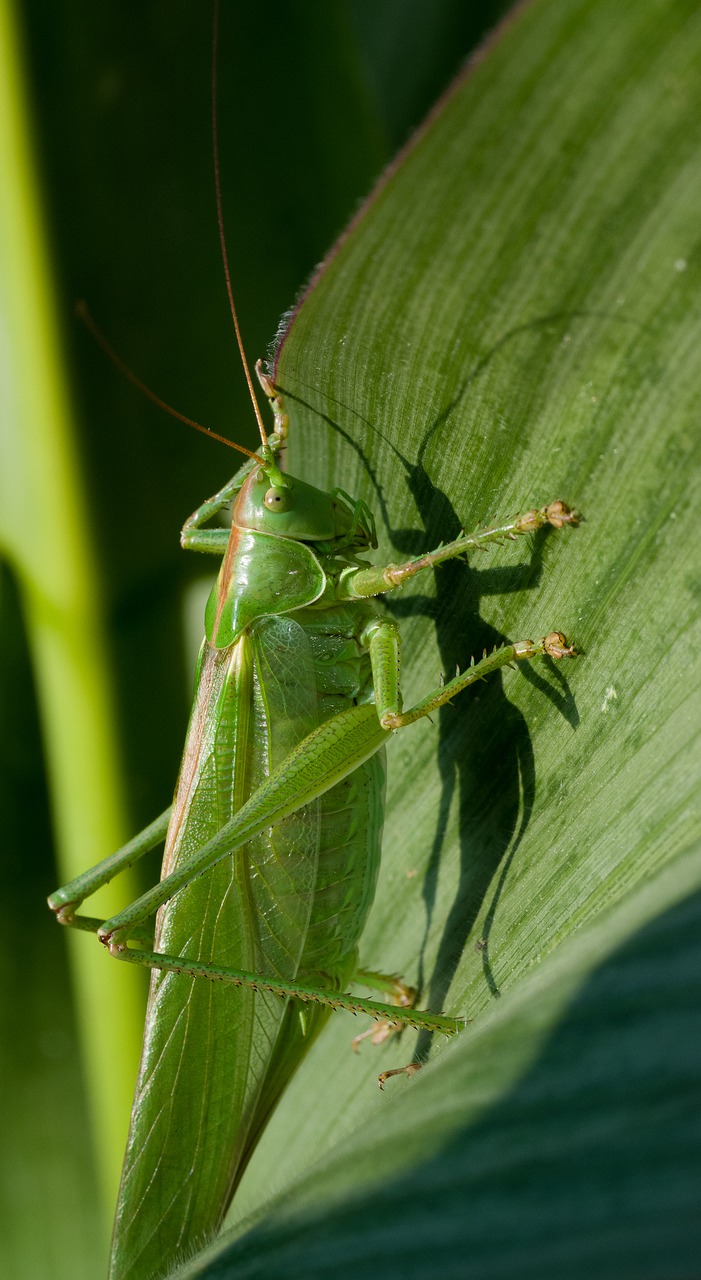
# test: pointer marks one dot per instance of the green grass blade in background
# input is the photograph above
(513, 318)
(46, 540)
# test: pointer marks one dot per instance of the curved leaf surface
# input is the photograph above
(513, 318)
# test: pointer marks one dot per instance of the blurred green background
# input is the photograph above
(314, 101)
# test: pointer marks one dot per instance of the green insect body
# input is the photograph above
(278, 661)
(273, 841)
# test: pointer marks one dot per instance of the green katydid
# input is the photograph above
(272, 844)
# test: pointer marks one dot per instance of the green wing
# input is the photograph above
(215, 1057)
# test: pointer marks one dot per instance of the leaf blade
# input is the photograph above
(537, 339)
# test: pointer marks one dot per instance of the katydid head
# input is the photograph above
(271, 501)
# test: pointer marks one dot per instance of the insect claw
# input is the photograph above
(364, 1035)
(556, 646)
(409, 1070)
(558, 514)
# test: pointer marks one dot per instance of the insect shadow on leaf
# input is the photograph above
(484, 749)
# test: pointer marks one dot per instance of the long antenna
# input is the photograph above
(222, 237)
(82, 312)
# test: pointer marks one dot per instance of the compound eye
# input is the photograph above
(278, 499)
